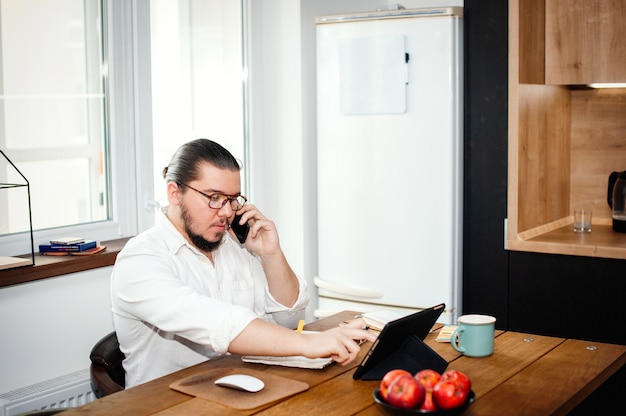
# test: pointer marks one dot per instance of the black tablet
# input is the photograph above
(400, 345)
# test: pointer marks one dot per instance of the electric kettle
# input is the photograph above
(616, 197)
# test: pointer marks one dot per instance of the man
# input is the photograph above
(186, 290)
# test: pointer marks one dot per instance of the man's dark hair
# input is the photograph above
(183, 167)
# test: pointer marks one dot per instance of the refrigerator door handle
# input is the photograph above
(346, 290)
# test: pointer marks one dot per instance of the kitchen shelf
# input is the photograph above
(564, 142)
(602, 241)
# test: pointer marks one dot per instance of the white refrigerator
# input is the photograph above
(390, 161)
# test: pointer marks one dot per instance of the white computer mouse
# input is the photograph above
(241, 382)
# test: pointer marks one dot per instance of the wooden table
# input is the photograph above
(527, 374)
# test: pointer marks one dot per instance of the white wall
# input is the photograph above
(49, 327)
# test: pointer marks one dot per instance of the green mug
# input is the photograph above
(474, 336)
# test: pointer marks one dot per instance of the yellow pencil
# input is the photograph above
(300, 325)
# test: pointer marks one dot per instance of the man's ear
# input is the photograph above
(174, 193)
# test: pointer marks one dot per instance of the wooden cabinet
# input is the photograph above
(585, 41)
(571, 42)
(564, 141)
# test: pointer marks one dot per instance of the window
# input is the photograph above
(95, 96)
(52, 106)
(197, 78)
(61, 69)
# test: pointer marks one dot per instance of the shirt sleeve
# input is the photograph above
(284, 316)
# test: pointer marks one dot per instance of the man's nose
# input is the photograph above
(226, 210)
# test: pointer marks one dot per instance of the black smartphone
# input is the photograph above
(241, 231)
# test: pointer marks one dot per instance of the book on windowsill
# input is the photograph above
(66, 241)
(88, 252)
(56, 248)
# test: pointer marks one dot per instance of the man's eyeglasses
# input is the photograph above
(217, 201)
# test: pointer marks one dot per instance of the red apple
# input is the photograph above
(428, 378)
(449, 395)
(405, 392)
(428, 405)
(388, 378)
(459, 377)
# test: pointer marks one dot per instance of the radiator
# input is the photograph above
(70, 390)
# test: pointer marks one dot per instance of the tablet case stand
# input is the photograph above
(413, 356)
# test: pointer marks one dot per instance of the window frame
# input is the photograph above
(129, 131)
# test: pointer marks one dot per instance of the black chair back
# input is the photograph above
(107, 373)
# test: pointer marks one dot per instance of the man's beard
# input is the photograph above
(197, 240)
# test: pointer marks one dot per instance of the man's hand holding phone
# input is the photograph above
(258, 233)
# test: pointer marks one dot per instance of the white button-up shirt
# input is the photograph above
(172, 308)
